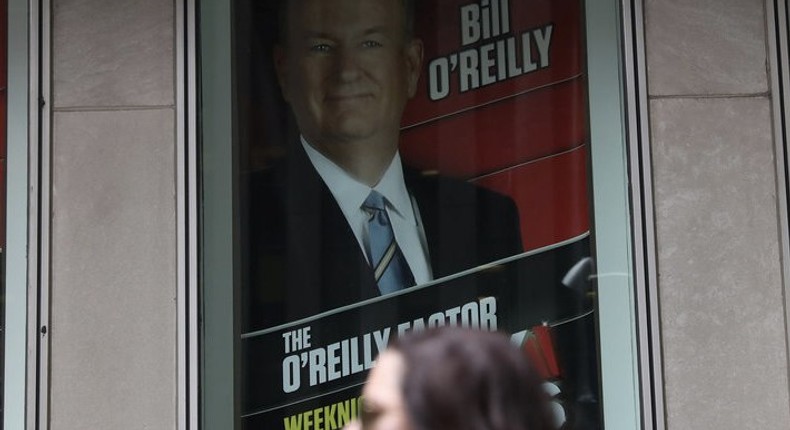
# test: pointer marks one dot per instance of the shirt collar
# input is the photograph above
(350, 193)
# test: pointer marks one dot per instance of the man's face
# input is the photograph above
(347, 69)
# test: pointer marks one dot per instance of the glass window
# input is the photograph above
(369, 170)
(468, 122)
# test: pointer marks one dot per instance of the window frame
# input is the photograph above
(628, 304)
(778, 34)
(23, 205)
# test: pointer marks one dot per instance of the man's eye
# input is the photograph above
(320, 47)
(371, 44)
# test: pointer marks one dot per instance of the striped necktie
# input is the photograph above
(389, 266)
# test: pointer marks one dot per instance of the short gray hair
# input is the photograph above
(408, 14)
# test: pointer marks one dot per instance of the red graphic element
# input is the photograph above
(551, 195)
(539, 346)
(439, 25)
(522, 134)
(500, 135)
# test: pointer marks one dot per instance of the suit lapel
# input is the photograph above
(448, 230)
(332, 270)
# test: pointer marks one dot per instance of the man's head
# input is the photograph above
(347, 68)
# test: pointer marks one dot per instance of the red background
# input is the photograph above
(525, 137)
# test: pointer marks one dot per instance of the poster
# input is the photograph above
(493, 146)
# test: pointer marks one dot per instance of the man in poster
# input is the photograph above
(341, 219)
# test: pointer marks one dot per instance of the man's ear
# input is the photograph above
(413, 64)
(280, 58)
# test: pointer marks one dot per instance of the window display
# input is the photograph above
(405, 165)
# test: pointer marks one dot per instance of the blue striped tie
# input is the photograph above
(389, 266)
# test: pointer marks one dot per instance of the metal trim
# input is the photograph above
(643, 239)
(779, 64)
(187, 213)
(39, 207)
(194, 280)
(33, 237)
(182, 327)
(41, 106)
(19, 393)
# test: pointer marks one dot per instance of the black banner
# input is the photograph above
(308, 374)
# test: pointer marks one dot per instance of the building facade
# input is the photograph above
(115, 79)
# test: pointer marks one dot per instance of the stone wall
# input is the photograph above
(113, 273)
(719, 268)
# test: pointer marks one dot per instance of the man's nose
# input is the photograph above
(347, 64)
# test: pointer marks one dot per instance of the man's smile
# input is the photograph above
(348, 96)
(343, 99)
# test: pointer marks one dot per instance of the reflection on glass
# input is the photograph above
(401, 169)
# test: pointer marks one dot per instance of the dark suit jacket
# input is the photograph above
(303, 258)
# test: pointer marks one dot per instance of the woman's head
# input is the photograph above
(454, 379)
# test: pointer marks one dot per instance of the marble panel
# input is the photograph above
(705, 47)
(113, 53)
(722, 313)
(113, 294)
